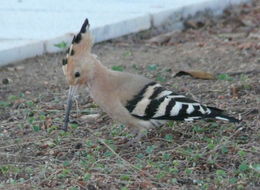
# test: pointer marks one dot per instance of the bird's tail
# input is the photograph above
(219, 114)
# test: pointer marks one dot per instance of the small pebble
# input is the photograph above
(78, 146)
(5, 81)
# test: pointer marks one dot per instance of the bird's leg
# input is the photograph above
(139, 134)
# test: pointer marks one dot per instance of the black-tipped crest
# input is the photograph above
(76, 38)
(83, 29)
(77, 46)
(84, 26)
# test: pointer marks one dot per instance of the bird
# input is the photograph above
(131, 99)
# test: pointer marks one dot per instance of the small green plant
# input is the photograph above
(125, 177)
(160, 78)
(52, 128)
(256, 167)
(170, 123)
(198, 129)
(89, 143)
(221, 173)
(176, 163)
(118, 68)
(74, 188)
(150, 149)
(108, 154)
(140, 155)
(36, 128)
(61, 45)
(64, 133)
(174, 181)
(174, 170)
(117, 130)
(245, 82)
(211, 146)
(12, 98)
(188, 171)
(233, 180)
(224, 76)
(168, 137)
(4, 104)
(127, 54)
(134, 66)
(166, 156)
(224, 150)
(74, 125)
(244, 78)
(64, 173)
(8, 169)
(87, 177)
(243, 167)
(29, 103)
(152, 67)
(160, 175)
(42, 117)
(66, 163)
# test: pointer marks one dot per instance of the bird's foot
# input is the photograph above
(136, 140)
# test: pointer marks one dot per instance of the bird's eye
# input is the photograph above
(77, 74)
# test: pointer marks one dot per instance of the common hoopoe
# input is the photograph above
(133, 100)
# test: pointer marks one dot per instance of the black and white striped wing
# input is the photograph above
(154, 102)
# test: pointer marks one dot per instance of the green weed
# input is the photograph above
(224, 77)
(61, 45)
(118, 68)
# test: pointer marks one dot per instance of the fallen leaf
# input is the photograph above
(44, 146)
(82, 183)
(246, 45)
(90, 117)
(47, 144)
(247, 21)
(11, 69)
(40, 153)
(146, 184)
(196, 74)
(161, 39)
(234, 92)
(194, 24)
(47, 123)
(201, 44)
(221, 97)
(254, 35)
(19, 68)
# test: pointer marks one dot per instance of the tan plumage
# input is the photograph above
(133, 100)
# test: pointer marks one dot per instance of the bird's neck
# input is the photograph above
(99, 77)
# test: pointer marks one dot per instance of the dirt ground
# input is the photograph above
(35, 154)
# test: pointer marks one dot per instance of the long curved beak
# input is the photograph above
(72, 91)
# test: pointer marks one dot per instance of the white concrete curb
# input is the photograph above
(115, 30)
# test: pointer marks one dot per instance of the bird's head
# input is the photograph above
(78, 63)
(79, 60)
